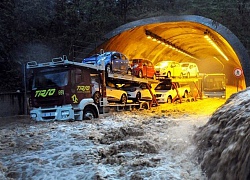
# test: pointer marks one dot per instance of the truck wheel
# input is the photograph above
(88, 114)
(188, 75)
(140, 74)
(96, 97)
(154, 77)
(123, 99)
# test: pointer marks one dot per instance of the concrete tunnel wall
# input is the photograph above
(234, 42)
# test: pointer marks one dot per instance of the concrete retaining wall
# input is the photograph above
(11, 104)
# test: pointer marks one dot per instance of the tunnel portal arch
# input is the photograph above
(186, 33)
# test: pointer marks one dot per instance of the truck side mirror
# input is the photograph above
(101, 51)
(65, 57)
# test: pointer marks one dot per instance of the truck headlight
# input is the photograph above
(65, 113)
(33, 115)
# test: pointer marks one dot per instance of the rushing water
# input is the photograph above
(124, 145)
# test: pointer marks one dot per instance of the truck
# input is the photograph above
(61, 90)
(64, 90)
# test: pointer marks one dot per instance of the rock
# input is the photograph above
(223, 144)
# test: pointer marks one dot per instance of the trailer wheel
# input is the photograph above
(138, 97)
(108, 69)
(88, 114)
(169, 74)
(185, 95)
(145, 105)
(123, 99)
(96, 97)
(129, 72)
(169, 100)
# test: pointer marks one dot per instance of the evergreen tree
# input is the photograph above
(6, 29)
(65, 24)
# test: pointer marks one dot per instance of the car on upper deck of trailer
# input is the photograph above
(114, 61)
(168, 69)
(142, 68)
(189, 69)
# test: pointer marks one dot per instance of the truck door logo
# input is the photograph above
(74, 99)
(84, 89)
(44, 93)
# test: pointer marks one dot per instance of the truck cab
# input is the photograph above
(61, 90)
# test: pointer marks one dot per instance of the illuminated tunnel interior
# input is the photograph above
(213, 47)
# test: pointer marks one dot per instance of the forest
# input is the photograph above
(43, 29)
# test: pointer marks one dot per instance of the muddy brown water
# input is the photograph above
(222, 143)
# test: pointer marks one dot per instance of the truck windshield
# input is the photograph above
(50, 79)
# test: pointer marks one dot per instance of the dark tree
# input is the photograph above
(66, 26)
(6, 29)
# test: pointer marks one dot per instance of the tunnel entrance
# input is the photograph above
(213, 47)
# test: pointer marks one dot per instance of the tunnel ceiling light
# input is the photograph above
(208, 36)
(149, 37)
(167, 43)
(220, 63)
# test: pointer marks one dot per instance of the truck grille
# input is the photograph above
(46, 115)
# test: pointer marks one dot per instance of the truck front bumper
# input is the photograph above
(65, 112)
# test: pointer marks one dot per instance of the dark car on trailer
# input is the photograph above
(114, 61)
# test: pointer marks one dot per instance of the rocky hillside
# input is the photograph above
(224, 142)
